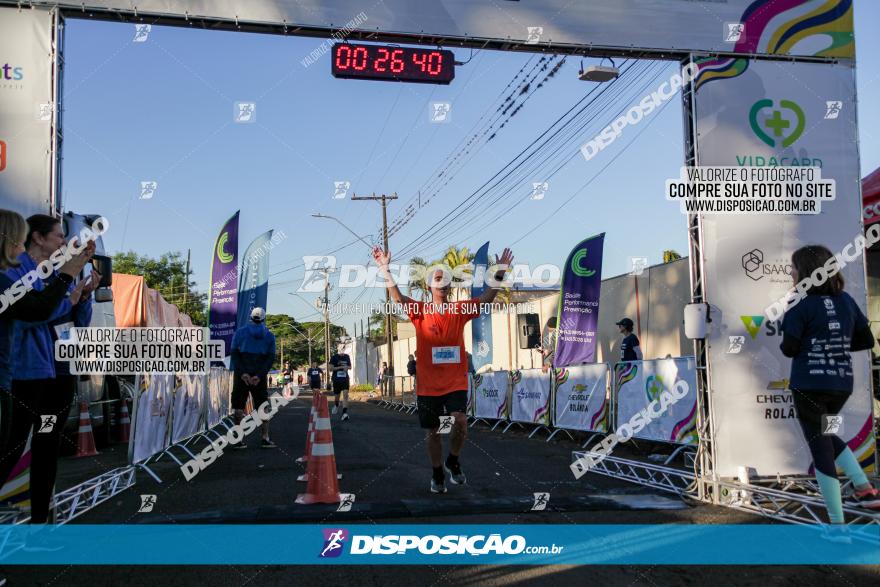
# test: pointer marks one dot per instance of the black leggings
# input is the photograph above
(30, 399)
(810, 407)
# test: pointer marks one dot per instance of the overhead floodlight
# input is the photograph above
(598, 73)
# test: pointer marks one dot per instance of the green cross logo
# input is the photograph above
(775, 124)
(576, 267)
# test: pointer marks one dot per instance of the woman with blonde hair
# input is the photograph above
(21, 301)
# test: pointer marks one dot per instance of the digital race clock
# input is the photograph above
(393, 63)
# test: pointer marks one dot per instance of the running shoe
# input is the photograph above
(456, 476)
(345, 415)
(867, 498)
(438, 487)
(265, 443)
(335, 409)
(239, 445)
(838, 533)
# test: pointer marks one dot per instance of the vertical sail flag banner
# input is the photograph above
(578, 315)
(223, 299)
(253, 280)
(481, 326)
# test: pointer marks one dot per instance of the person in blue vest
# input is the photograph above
(253, 352)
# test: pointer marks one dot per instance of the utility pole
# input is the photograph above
(388, 322)
(327, 324)
(186, 280)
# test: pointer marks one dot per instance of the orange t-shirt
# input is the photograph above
(441, 360)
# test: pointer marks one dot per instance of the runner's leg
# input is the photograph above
(810, 407)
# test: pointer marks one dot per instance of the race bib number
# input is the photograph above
(445, 354)
(341, 375)
(62, 331)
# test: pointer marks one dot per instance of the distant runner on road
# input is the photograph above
(340, 363)
(441, 362)
(314, 375)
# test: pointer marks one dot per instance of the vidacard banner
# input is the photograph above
(223, 296)
(481, 326)
(27, 113)
(765, 114)
(578, 314)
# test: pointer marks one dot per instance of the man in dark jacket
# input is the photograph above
(253, 352)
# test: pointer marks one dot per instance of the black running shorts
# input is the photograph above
(431, 407)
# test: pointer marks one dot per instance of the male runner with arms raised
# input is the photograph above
(441, 361)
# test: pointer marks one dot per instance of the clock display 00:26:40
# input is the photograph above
(392, 63)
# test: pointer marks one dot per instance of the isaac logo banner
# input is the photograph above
(578, 314)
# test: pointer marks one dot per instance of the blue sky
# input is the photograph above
(162, 110)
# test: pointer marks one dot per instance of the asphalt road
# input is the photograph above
(381, 456)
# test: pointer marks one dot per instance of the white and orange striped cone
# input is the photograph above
(85, 440)
(124, 423)
(310, 433)
(310, 439)
(323, 486)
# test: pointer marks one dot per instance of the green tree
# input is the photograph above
(418, 288)
(167, 275)
(670, 255)
(293, 337)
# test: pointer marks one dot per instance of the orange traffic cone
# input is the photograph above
(323, 486)
(124, 429)
(85, 440)
(310, 433)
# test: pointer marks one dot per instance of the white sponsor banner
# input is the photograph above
(638, 383)
(733, 25)
(580, 401)
(490, 395)
(189, 398)
(151, 412)
(775, 114)
(218, 397)
(530, 398)
(26, 110)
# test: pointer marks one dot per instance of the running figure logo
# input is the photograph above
(333, 540)
(539, 190)
(534, 35)
(441, 112)
(141, 32)
(47, 423)
(541, 501)
(346, 500)
(736, 344)
(245, 112)
(147, 503)
(445, 424)
(340, 189)
(832, 424)
(638, 265)
(832, 109)
(148, 189)
(734, 32)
